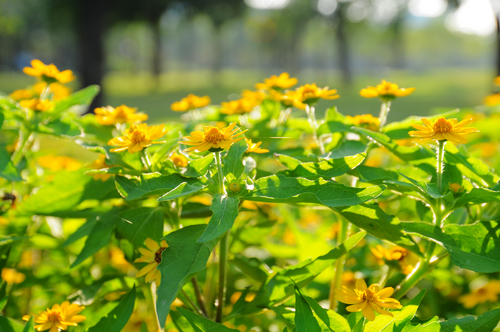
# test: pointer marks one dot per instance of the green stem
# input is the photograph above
(440, 164)
(190, 303)
(311, 117)
(222, 189)
(384, 112)
(199, 299)
(339, 264)
(222, 276)
(18, 155)
(145, 159)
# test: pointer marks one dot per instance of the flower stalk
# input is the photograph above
(311, 117)
(384, 112)
(440, 164)
(224, 242)
(220, 173)
(145, 159)
(336, 282)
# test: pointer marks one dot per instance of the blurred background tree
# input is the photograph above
(151, 53)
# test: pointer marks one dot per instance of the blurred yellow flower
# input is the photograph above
(283, 98)
(58, 90)
(497, 80)
(29, 258)
(492, 100)
(443, 129)
(455, 187)
(37, 105)
(100, 163)
(310, 94)
(407, 260)
(21, 95)
(11, 276)
(239, 106)
(367, 121)
(348, 279)
(283, 81)
(190, 102)
(118, 260)
(254, 147)
(137, 137)
(368, 299)
(59, 317)
(153, 258)
(213, 138)
(109, 116)
(48, 73)
(56, 163)
(488, 292)
(386, 91)
(179, 159)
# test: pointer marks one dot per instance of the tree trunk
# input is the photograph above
(157, 53)
(218, 63)
(90, 32)
(343, 47)
(397, 43)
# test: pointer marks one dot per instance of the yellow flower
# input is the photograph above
(11, 276)
(48, 73)
(100, 163)
(256, 96)
(213, 138)
(58, 90)
(254, 147)
(21, 95)
(406, 260)
(488, 292)
(368, 299)
(492, 100)
(367, 121)
(497, 80)
(239, 106)
(386, 91)
(283, 98)
(59, 317)
(443, 129)
(455, 187)
(179, 159)
(190, 102)
(109, 116)
(137, 138)
(310, 94)
(117, 260)
(37, 105)
(56, 163)
(284, 81)
(153, 258)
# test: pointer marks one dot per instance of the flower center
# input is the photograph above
(442, 126)
(137, 136)
(54, 316)
(368, 295)
(158, 255)
(213, 135)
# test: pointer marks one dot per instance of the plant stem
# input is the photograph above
(222, 189)
(222, 276)
(18, 155)
(339, 264)
(311, 117)
(199, 299)
(440, 164)
(145, 159)
(190, 303)
(384, 112)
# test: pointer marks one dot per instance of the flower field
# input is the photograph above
(252, 215)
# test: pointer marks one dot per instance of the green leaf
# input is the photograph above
(180, 262)
(148, 185)
(332, 320)
(67, 190)
(3, 300)
(334, 127)
(29, 327)
(475, 247)
(477, 196)
(282, 189)
(201, 324)
(7, 325)
(138, 224)
(84, 230)
(484, 323)
(182, 190)
(4, 240)
(233, 163)
(251, 267)
(162, 152)
(399, 320)
(290, 162)
(81, 97)
(7, 168)
(374, 174)
(379, 224)
(64, 127)
(326, 168)
(99, 236)
(199, 167)
(118, 317)
(225, 211)
(304, 318)
(281, 285)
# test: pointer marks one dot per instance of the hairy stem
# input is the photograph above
(145, 159)
(222, 276)
(440, 164)
(199, 299)
(384, 112)
(18, 155)
(222, 189)
(311, 117)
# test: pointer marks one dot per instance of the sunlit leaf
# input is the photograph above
(201, 324)
(7, 168)
(199, 167)
(233, 163)
(138, 224)
(304, 318)
(118, 317)
(182, 190)
(225, 211)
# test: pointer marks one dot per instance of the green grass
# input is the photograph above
(457, 88)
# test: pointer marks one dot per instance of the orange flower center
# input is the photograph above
(442, 126)
(213, 135)
(137, 136)
(368, 295)
(54, 316)
(121, 115)
(158, 255)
